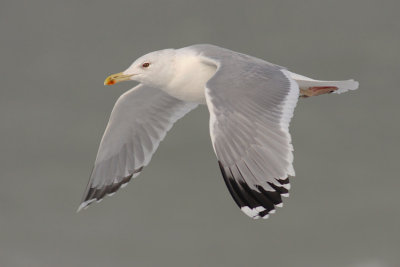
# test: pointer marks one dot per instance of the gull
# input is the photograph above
(250, 101)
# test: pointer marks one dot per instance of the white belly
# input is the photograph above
(190, 80)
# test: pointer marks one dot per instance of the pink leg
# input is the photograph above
(317, 90)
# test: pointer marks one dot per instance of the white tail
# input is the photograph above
(305, 83)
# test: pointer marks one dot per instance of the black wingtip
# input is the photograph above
(97, 194)
(256, 203)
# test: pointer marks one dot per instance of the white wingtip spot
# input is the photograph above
(285, 195)
(286, 186)
(80, 207)
(249, 212)
(272, 211)
(260, 209)
(280, 205)
(84, 205)
(266, 216)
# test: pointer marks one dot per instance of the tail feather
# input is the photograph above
(343, 86)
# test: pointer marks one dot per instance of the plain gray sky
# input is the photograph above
(344, 203)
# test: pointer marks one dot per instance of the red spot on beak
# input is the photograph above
(109, 82)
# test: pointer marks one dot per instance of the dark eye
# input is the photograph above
(146, 64)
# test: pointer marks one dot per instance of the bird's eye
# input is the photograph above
(146, 65)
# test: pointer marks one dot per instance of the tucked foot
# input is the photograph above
(317, 90)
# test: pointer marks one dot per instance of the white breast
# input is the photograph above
(190, 79)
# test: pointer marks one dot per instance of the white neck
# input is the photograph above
(191, 75)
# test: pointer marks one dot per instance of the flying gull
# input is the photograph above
(251, 103)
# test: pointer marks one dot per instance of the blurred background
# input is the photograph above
(344, 204)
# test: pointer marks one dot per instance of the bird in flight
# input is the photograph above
(250, 101)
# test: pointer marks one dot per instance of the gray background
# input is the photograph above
(344, 204)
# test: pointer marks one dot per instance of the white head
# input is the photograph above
(153, 69)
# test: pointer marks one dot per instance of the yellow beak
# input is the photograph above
(116, 78)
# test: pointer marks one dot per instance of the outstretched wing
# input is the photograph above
(251, 103)
(139, 121)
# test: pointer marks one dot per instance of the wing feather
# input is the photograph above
(139, 121)
(251, 103)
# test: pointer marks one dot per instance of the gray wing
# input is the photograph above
(251, 103)
(140, 119)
